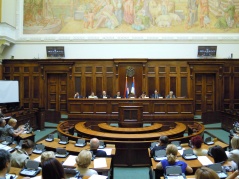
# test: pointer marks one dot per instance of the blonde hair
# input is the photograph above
(171, 152)
(83, 160)
(205, 173)
(46, 155)
(12, 121)
(235, 142)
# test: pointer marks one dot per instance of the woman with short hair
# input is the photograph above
(52, 169)
(197, 144)
(234, 154)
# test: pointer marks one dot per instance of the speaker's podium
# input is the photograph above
(130, 115)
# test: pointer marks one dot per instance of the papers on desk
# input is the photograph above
(204, 160)
(107, 150)
(98, 177)
(70, 161)
(36, 177)
(100, 163)
(181, 151)
(5, 147)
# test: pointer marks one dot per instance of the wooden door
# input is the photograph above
(57, 91)
(204, 93)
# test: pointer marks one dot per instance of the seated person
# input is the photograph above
(94, 145)
(197, 143)
(171, 152)
(233, 155)
(162, 144)
(118, 95)
(21, 156)
(131, 95)
(46, 155)
(143, 95)
(77, 95)
(205, 173)
(9, 129)
(219, 155)
(104, 95)
(52, 169)
(2, 126)
(156, 94)
(170, 95)
(83, 161)
(92, 96)
(5, 165)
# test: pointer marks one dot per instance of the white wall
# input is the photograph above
(9, 12)
(110, 51)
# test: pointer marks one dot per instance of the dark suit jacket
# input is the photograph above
(99, 153)
(160, 147)
(101, 96)
(169, 96)
(115, 96)
(153, 95)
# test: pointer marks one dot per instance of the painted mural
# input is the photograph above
(130, 16)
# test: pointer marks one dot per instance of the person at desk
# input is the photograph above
(9, 129)
(233, 155)
(118, 95)
(5, 164)
(104, 95)
(197, 144)
(94, 145)
(2, 126)
(92, 96)
(171, 152)
(77, 95)
(162, 144)
(21, 156)
(170, 95)
(52, 169)
(83, 162)
(156, 94)
(143, 95)
(205, 173)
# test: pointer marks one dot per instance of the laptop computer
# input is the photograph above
(102, 144)
(189, 155)
(173, 172)
(178, 144)
(159, 155)
(64, 140)
(217, 167)
(50, 138)
(153, 144)
(208, 141)
(8, 140)
(61, 153)
(32, 169)
(39, 148)
(80, 143)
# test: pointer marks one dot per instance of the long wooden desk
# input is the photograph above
(153, 109)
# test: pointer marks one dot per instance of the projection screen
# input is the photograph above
(9, 91)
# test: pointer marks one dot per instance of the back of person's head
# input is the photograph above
(205, 173)
(12, 121)
(2, 122)
(235, 142)
(197, 141)
(28, 144)
(5, 159)
(163, 140)
(218, 154)
(83, 160)
(52, 169)
(171, 152)
(94, 143)
(46, 155)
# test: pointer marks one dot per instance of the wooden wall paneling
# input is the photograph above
(162, 86)
(151, 86)
(99, 86)
(183, 87)
(110, 86)
(35, 91)
(63, 83)
(160, 107)
(78, 85)
(173, 85)
(88, 85)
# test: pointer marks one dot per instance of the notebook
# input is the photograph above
(159, 155)
(50, 138)
(64, 140)
(189, 155)
(39, 148)
(173, 172)
(61, 153)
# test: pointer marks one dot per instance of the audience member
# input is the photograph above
(94, 145)
(21, 156)
(52, 169)
(77, 95)
(46, 155)
(219, 155)
(233, 155)
(104, 95)
(205, 173)
(118, 95)
(5, 164)
(162, 144)
(197, 143)
(9, 129)
(156, 94)
(83, 161)
(171, 152)
(234, 175)
(143, 95)
(92, 96)
(2, 126)
(170, 95)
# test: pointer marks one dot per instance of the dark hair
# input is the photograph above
(27, 144)
(163, 139)
(52, 169)
(4, 158)
(197, 141)
(218, 154)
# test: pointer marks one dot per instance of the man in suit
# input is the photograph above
(77, 95)
(170, 95)
(94, 145)
(118, 95)
(104, 95)
(156, 94)
(163, 142)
